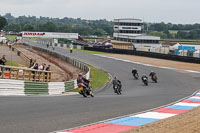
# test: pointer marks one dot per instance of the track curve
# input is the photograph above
(46, 114)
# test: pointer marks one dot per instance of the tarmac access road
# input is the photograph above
(42, 114)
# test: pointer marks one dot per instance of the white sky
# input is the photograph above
(175, 11)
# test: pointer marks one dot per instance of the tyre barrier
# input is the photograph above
(15, 87)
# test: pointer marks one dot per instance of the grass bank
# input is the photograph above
(11, 37)
(98, 78)
(15, 63)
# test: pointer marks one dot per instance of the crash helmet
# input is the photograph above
(80, 74)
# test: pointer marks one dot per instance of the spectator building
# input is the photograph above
(133, 31)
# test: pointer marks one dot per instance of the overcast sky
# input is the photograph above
(175, 11)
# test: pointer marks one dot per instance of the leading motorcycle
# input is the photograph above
(85, 90)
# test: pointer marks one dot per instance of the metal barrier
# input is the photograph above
(20, 73)
(148, 54)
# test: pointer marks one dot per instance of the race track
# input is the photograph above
(37, 114)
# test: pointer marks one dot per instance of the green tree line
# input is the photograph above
(66, 25)
(181, 31)
(94, 27)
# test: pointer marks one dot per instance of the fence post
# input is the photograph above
(2, 68)
(35, 75)
(43, 76)
(30, 75)
(10, 74)
(17, 75)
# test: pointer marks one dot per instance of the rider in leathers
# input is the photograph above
(83, 80)
(117, 82)
(143, 77)
(134, 71)
(152, 73)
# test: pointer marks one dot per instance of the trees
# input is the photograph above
(49, 27)
(100, 27)
(28, 27)
(13, 27)
(3, 22)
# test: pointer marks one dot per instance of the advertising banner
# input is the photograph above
(50, 35)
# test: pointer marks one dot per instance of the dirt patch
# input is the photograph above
(61, 71)
(188, 122)
(158, 62)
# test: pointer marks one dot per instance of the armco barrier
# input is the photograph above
(147, 54)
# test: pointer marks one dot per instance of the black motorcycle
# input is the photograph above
(117, 89)
(136, 76)
(145, 81)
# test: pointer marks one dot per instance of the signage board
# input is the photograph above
(50, 35)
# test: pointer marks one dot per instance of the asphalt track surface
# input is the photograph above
(42, 114)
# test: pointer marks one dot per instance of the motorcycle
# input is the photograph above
(85, 90)
(117, 89)
(145, 81)
(154, 78)
(136, 76)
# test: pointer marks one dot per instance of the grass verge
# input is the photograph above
(98, 78)
(15, 63)
(11, 37)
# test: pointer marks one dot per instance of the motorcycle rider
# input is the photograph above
(152, 73)
(143, 77)
(134, 71)
(117, 82)
(83, 80)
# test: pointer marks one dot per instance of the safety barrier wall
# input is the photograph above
(17, 87)
(11, 87)
(147, 54)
